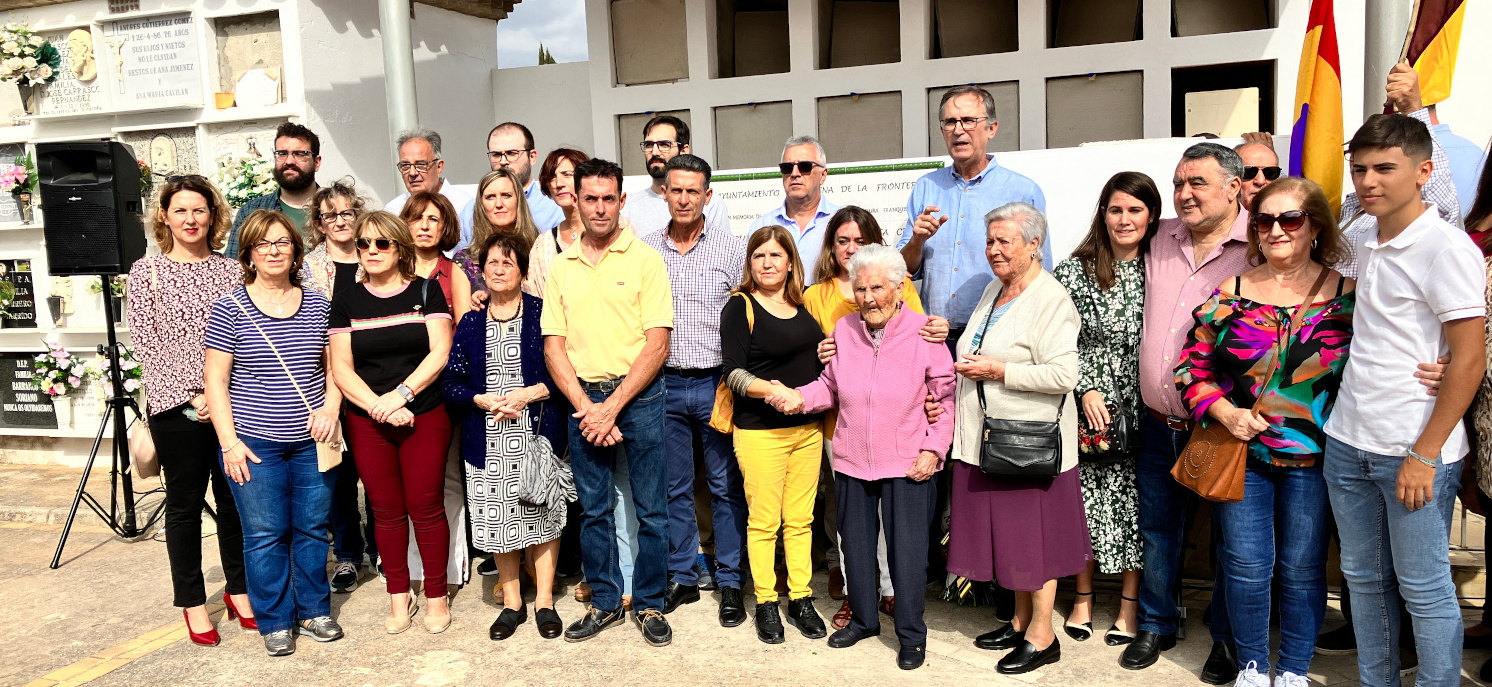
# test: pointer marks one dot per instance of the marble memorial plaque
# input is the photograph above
(157, 61)
(69, 94)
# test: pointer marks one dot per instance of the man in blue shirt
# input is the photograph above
(1466, 157)
(511, 145)
(950, 260)
(804, 210)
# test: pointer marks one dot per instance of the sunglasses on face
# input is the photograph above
(383, 245)
(804, 167)
(1289, 221)
(1270, 173)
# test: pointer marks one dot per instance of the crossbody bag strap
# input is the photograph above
(979, 386)
(1295, 321)
(276, 351)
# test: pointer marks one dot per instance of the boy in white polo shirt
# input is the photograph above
(1391, 449)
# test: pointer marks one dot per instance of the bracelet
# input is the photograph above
(1421, 458)
(230, 446)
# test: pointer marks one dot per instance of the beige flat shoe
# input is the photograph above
(394, 626)
(437, 625)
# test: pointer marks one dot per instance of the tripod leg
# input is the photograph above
(78, 497)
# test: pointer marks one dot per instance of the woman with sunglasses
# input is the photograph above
(390, 336)
(1274, 387)
(167, 316)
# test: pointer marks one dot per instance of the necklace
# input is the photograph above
(492, 313)
(278, 306)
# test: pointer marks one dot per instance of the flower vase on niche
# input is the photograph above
(63, 407)
(54, 305)
(23, 202)
(28, 98)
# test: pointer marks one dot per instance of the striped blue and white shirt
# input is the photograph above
(265, 402)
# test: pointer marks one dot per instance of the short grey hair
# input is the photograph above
(1227, 158)
(1025, 215)
(420, 132)
(818, 148)
(878, 257)
(969, 89)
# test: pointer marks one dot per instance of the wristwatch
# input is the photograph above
(406, 392)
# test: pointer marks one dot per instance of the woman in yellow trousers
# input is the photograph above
(768, 340)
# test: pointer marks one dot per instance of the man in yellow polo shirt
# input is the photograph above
(607, 315)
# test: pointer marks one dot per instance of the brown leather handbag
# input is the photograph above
(1214, 461)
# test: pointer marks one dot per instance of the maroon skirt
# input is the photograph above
(1021, 534)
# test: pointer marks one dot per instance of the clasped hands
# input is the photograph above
(598, 423)
(504, 406)
(786, 400)
(389, 409)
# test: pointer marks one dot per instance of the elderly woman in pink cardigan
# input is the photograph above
(885, 450)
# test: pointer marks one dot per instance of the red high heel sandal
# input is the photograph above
(208, 638)
(245, 623)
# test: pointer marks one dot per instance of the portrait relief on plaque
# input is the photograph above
(80, 59)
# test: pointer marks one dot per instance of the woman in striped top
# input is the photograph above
(266, 370)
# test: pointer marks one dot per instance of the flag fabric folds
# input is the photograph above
(1316, 138)
(1433, 41)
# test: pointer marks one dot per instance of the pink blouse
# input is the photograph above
(167, 318)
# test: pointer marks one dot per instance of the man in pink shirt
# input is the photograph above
(1189, 257)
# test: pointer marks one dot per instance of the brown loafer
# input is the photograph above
(841, 618)
(888, 605)
(583, 593)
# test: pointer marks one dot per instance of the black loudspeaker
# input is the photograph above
(90, 201)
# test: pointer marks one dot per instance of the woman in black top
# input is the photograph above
(768, 339)
(390, 336)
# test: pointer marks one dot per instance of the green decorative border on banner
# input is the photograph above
(834, 171)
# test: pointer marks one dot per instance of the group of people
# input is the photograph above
(556, 372)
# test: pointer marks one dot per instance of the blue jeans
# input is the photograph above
(641, 425)
(1164, 507)
(1281, 519)
(690, 403)
(285, 507)
(1388, 550)
(626, 521)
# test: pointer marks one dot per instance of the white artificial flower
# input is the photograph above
(28, 63)
(44, 72)
(37, 40)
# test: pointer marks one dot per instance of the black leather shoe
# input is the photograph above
(849, 636)
(1221, 666)
(1486, 672)
(679, 594)
(1027, 658)
(549, 622)
(1004, 605)
(910, 657)
(732, 609)
(1004, 638)
(802, 615)
(655, 629)
(507, 623)
(1145, 650)
(768, 623)
(592, 624)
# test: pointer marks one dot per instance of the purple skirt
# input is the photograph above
(1018, 533)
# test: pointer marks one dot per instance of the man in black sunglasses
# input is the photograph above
(804, 208)
(1260, 166)
(297, 157)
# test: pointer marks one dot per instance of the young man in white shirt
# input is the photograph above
(1391, 449)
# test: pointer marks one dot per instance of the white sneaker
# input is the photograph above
(1288, 679)
(1250, 677)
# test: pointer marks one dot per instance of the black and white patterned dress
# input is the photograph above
(499, 523)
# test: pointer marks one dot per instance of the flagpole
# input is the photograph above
(1387, 23)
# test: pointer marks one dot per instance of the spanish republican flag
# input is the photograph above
(1316, 139)
(1434, 39)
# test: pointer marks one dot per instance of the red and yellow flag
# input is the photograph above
(1316, 139)
(1434, 39)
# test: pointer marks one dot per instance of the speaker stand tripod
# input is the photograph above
(120, 515)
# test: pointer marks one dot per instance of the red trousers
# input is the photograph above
(403, 470)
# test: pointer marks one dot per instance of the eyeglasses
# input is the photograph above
(422, 166)
(1289, 221)
(506, 155)
(332, 217)
(1270, 173)
(266, 247)
(383, 244)
(804, 167)
(662, 146)
(965, 123)
(297, 154)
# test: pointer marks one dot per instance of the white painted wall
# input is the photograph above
(552, 100)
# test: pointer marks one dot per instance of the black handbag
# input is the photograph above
(1021, 449)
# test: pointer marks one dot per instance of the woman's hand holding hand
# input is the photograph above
(1430, 374)
(826, 350)
(385, 405)
(787, 401)
(935, 331)
(200, 403)
(1243, 423)
(1096, 410)
(933, 409)
(236, 462)
(324, 424)
(486, 402)
(980, 368)
(402, 417)
(925, 467)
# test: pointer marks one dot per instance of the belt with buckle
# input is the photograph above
(1177, 424)
(604, 386)
(693, 373)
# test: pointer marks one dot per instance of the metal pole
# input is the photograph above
(1387, 22)
(398, 66)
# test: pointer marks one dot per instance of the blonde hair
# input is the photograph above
(222, 216)
(793, 289)
(481, 227)
(385, 225)
(346, 188)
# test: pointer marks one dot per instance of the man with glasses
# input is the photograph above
(511, 145)
(297, 159)
(1260, 166)
(665, 136)
(421, 169)
(804, 209)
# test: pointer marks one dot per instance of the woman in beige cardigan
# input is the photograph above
(1022, 346)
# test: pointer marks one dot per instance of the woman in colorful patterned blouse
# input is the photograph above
(1228, 365)
(1106, 278)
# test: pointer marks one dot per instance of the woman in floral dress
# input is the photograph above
(1106, 279)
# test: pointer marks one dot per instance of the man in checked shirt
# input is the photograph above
(704, 264)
